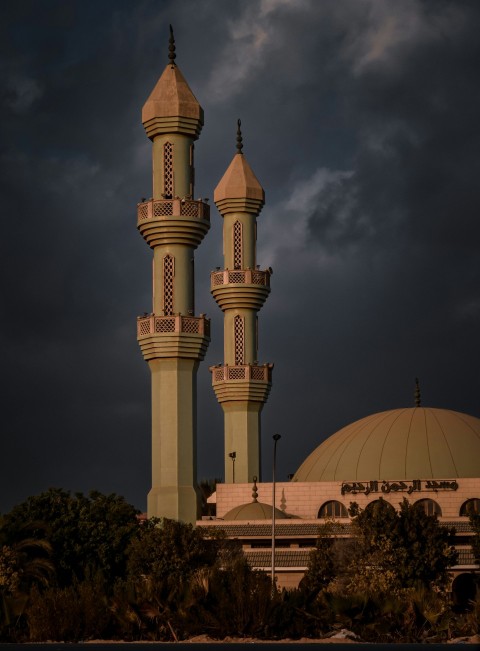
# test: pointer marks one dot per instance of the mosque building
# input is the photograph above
(427, 455)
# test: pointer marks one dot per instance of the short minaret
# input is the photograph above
(241, 384)
(173, 341)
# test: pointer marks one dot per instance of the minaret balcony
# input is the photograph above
(242, 372)
(242, 383)
(173, 221)
(157, 325)
(240, 288)
(162, 337)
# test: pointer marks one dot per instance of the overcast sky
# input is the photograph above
(360, 119)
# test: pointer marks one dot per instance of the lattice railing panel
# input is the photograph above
(259, 278)
(168, 275)
(165, 325)
(239, 333)
(237, 245)
(259, 373)
(190, 325)
(142, 212)
(217, 278)
(236, 373)
(236, 277)
(163, 208)
(168, 169)
(189, 209)
(144, 327)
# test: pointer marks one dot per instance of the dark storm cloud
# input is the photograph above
(360, 120)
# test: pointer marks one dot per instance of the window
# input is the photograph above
(333, 509)
(430, 507)
(237, 245)
(470, 506)
(239, 340)
(168, 170)
(168, 273)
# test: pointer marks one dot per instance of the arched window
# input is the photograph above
(333, 509)
(168, 274)
(239, 331)
(470, 506)
(237, 245)
(429, 506)
(168, 170)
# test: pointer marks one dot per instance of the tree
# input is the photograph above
(388, 551)
(86, 534)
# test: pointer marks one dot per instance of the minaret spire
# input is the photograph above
(239, 137)
(418, 398)
(241, 384)
(171, 48)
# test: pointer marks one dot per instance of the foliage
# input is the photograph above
(77, 612)
(86, 534)
(475, 524)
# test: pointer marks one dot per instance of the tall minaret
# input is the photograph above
(241, 384)
(172, 339)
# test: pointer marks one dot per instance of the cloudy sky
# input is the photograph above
(360, 119)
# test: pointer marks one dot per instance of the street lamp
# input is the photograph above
(276, 438)
(233, 456)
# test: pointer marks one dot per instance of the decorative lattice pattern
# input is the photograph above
(217, 279)
(168, 274)
(237, 245)
(162, 208)
(189, 209)
(259, 278)
(190, 325)
(218, 374)
(142, 212)
(258, 373)
(144, 327)
(236, 373)
(239, 329)
(165, 325)
(236, 277)
(168, 169)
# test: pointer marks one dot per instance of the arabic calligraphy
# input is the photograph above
(408, 487)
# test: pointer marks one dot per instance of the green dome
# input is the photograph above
(419, 442)
(254, 511)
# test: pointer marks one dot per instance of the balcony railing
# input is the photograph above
(165, 208)
(243, 372)
(153, 325)
(240, 276)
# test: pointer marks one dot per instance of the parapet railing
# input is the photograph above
(242, 372)
(165, 208)
(153, 324)
(240, 276)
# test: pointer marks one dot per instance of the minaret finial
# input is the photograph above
(418, 398)
(239, 137)
(254, 490)
(171, 48)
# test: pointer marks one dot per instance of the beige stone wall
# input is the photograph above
(304, 499)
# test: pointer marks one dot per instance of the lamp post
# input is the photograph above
(233, 456)
(276, 438)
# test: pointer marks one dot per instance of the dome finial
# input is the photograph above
(254, 490)
(418, 398)
(239, 137)
(171, 48)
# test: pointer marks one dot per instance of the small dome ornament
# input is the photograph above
(239, 137)
(418, 397)
(171, 48)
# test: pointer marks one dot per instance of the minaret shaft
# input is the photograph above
(240, 289)
(173, 341)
